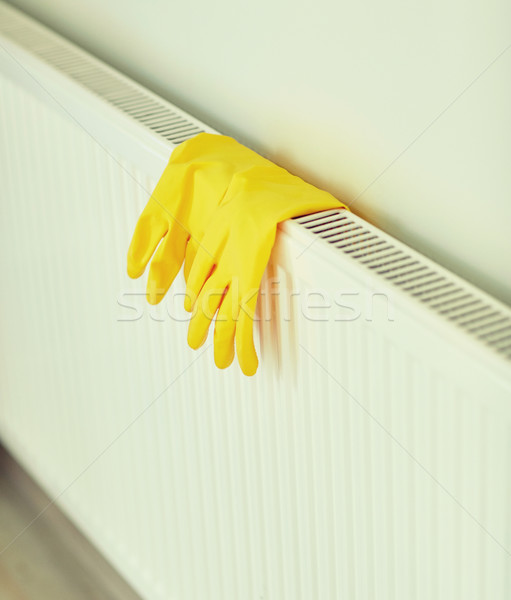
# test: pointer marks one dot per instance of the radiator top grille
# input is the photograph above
(434, 287)
(117, 90)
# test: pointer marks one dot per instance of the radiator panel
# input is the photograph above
(366, 459)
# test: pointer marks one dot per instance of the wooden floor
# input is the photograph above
(51, 560)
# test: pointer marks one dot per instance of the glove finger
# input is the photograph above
(206, 306)
(225, 328)
(148, 233)
(166, 263)
(245, 348)
(202, 268)
(191, 252)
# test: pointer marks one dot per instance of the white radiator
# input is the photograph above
(370, 457)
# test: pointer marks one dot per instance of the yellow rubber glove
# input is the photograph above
(233, 254)
(191, 187)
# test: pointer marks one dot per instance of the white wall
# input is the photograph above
(393, 103)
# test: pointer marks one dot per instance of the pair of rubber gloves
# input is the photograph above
(216, 208)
